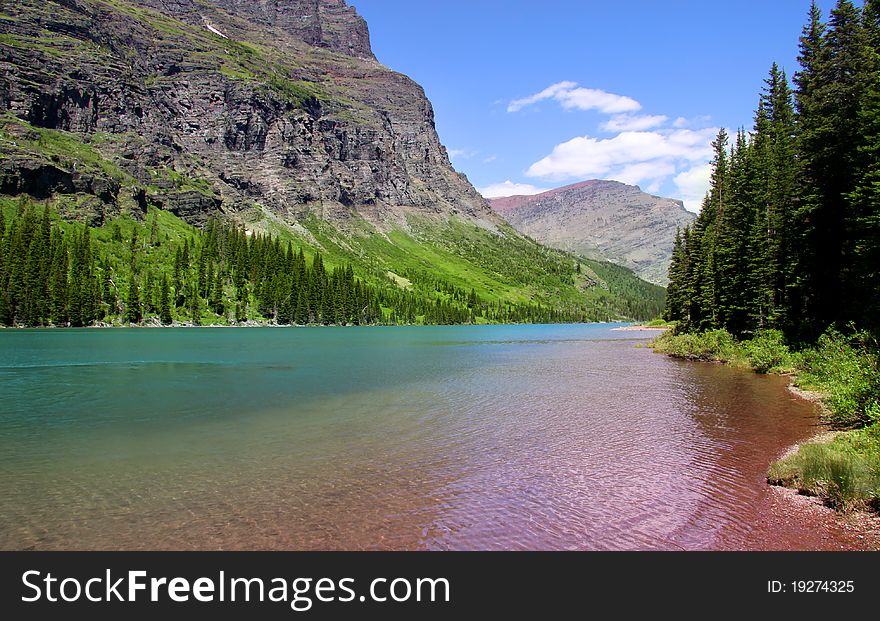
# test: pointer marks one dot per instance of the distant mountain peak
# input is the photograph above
(602, 219)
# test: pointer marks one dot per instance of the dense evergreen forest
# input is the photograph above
(57, 273)
(789, 233)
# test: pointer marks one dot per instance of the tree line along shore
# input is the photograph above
(781, 270)
(160, 271)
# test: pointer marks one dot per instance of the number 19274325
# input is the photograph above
(811, 586)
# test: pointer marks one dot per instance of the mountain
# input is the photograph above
(273, 115)
(230, 105)
(602, 219)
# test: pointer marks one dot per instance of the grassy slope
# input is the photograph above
(845, 371)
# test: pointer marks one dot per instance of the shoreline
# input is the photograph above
(789, 502)
(641, 329)
(788, 510)
(858, 523)
(855, 526)
(268, 324)
(862, 522)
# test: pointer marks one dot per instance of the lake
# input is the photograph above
(470, 437)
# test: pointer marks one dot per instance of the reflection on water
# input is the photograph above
(502, 437)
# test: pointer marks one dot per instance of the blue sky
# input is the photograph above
(533, 95)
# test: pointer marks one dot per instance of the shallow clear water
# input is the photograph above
(493, 437)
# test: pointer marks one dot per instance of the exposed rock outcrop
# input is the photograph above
(268, 104)
(324, 23)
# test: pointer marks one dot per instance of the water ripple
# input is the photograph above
(444, 439)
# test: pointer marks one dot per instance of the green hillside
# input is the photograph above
(156, 268)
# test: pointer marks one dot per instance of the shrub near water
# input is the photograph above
(846, 370)
(767, 352)
(845, 472)
(714, 345)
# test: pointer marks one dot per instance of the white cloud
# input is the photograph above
(662, 154)
(586, 156)
(592, 99)
(463, 154)
(509, 188)
(655, 186)
(571, 96)
(651, 172)
(490, 159)
(548, 93)
(693, 184)
(633, 123)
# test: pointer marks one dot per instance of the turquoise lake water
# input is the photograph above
(472, 437)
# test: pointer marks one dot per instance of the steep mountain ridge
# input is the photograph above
(602, 219)
(263, 110)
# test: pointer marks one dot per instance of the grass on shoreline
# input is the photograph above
(845, 370)
(844, 472)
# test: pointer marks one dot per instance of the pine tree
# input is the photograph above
(133, 308)
(32, 303)
(675, 301)
(82, 291)
(704, 282)
(5, 308)
(781, 195)
(6, 317)
(733, 248)
(217, 304)
(165, 315)
(148, 294)
(194, 305)
(206, 275)
(852, 66)
(813, 139)
(871, 25)
(789, 233)
(58, 285)
(863, 226)
(830, 89)
(301, 314)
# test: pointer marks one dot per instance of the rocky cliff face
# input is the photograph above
(331, 24)
(602, 219)
(200, 106)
